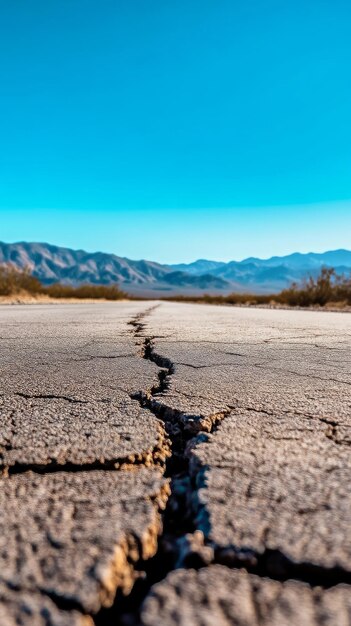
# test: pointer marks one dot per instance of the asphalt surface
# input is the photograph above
(208, 447)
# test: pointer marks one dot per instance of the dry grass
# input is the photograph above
(20, 286)
(329, 290)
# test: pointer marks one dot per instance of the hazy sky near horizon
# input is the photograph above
(176, 130)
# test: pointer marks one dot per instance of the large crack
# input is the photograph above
(182, 542)
(178, 519)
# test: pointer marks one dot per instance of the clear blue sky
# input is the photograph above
(176, 130)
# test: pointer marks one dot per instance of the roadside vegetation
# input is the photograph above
(15, 282)
(328, 289)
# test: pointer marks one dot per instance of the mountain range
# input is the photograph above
(147, 278)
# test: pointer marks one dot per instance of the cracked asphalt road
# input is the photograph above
(207, 446)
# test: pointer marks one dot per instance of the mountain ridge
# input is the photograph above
(51, 263)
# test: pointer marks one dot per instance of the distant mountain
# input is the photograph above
(53, 263)
(198, 267)
(202, 281)
(275, 273)
(333, 258)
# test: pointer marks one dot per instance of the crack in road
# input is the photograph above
(179, 534)
(182, 543)
(49, 396)
(119, 463)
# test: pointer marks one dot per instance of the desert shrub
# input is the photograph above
(84, 292)
(14, 281)
(328, 287)
(325, 288)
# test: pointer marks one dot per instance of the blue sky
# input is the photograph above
(176, 130)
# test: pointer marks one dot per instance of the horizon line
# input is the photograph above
(295, 252)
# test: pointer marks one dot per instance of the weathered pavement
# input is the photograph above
(207, 446)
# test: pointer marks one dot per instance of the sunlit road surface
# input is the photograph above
(207, 446)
